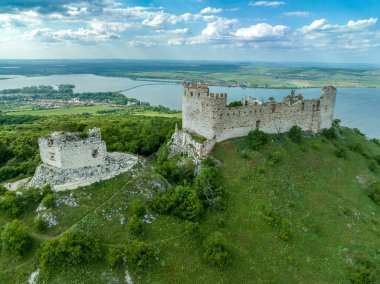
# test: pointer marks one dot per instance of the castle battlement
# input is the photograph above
(207, 114)
(68, 150)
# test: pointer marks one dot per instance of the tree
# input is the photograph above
(257, 138)
(295, 134)
(15, 239)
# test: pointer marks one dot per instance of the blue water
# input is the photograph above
(355, 107)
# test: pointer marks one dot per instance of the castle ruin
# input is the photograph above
(70, 151)
(208, 115)
(71, 161)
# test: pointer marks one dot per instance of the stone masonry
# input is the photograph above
(70, 161)
(208, 115)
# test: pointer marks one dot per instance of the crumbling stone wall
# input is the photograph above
(70, 151)
(207, 114)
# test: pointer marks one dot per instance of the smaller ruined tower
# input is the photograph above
(66, 150)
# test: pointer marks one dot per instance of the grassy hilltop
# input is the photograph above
(292, 212)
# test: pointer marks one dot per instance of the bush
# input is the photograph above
(295, 134)
(284, 231)
(137, 209)
(35, 195)
(372, 165)
(363, 272)
(10, 204)
(357, 131)
(340, 153)
(138, 254)
(181, 201)
(374, 192)
(215, 250)
(191, 228)
(208, 186)
(15, 239)
(115, 257)
(257, 138)
(235, 103)
(40, 224)
(68, 251)
(48, 201)
(330, 133)
(2, 190)
(376, 141)
(135, 225)
(274, 158)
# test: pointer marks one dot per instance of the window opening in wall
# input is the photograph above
(50, 143)
(258, 124)
(273, 107)
(302, 105)
(95, 153)
(318, 104)
(52, 156)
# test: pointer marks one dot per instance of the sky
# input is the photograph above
(344, 31)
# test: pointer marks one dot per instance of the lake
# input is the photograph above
(355, 107)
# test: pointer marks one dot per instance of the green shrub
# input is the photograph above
(376, 141)
(372, 165)
(363, 272)
(15, 239)
(10, 204)
(181, 201)
(295, 134)
(69, 250)
(40, 224)
(257, 138)
(215, 250)
(35, 195)
(260, 169)
(115, 257)
(357, 131)
(2, 190)
(377, 159)
(340, 153)
(330, 133)
(48, 201)
(135, 225)
(138, 209)
(208, 186)
(274, 158)
(138, 255)
(235, 103)
(284, 231)
(357, 147)
(192, 228)
(374, 192)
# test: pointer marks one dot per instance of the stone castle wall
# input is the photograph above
(69, 151)
(207, 114)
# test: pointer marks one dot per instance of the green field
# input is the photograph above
(303, 218)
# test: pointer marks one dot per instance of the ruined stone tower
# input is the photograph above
(70, 151)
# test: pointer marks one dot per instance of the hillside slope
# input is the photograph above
(294, 213)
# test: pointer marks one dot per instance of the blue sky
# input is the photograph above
(312, 31)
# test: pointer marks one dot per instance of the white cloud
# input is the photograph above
(175, 31)
(102, 27)
(266, 3)
(156, 21)
(176, 41)
(261, 30)
(210, 10)
(80, 35)
(316, 25)
(297, 14)
(362, 23)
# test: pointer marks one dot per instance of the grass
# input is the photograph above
(321, 197)
(159, 114)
